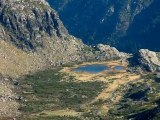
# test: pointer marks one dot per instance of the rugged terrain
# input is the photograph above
(37, 81)
(33, 37)
(150, 60)
(8, 104)
(128, 25)
(146, 60)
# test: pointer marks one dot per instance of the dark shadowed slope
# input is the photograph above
(128, 25)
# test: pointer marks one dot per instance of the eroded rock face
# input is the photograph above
(111, 52)
(27, 22)
(150, 60)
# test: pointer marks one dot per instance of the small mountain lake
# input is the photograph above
(94, 68)
(119, 68)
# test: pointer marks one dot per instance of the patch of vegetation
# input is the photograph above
(140, 102)
(53, 118)
(92, 115)
(138, 93)
(148, 77)
(50, 90)
(155, 77)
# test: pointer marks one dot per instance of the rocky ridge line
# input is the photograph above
(150, 60)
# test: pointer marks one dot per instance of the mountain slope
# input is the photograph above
(128, 25)
(145, 28)
(32, 37)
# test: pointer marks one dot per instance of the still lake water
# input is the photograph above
(119, 68)
(95, 68)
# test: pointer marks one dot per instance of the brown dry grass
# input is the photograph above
(14, 62)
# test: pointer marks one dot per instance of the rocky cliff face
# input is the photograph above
(106, 52)
(27, 22)
(128, 25)
(150, 60)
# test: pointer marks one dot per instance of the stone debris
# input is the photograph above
(8, 105)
